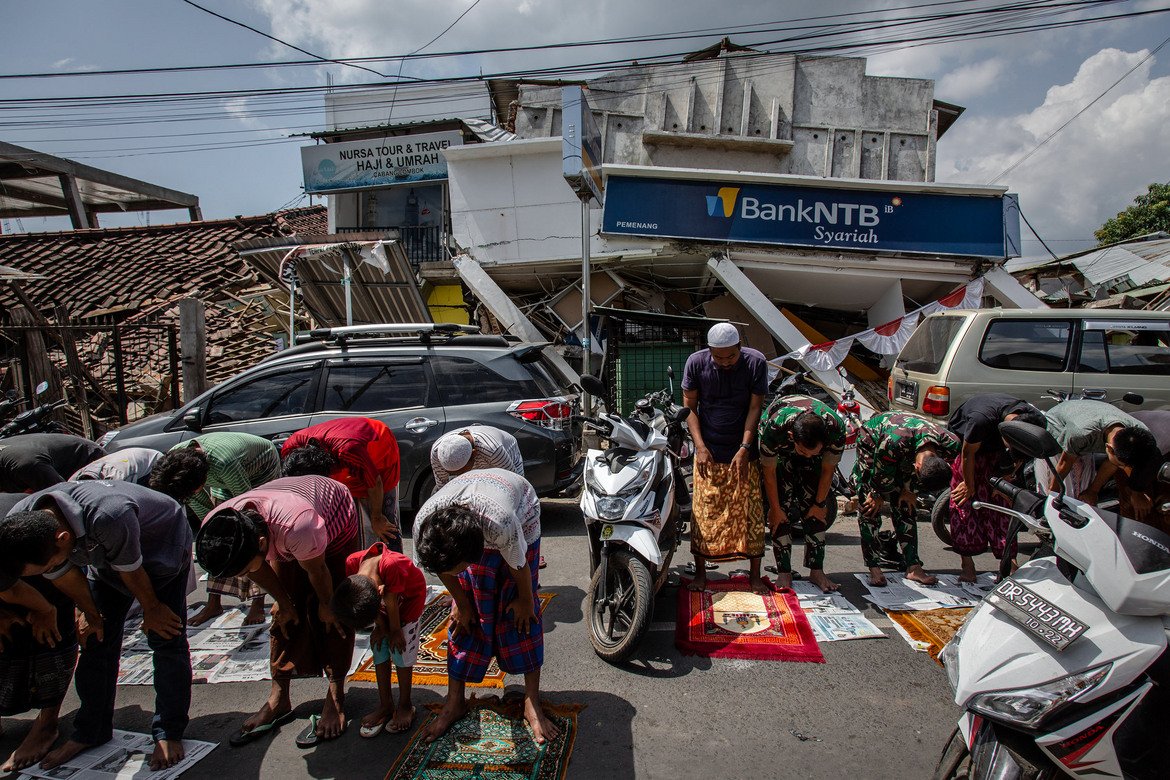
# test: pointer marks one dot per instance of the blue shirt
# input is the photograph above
(725, 396)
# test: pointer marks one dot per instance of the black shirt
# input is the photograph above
(977, 419)
(36, 461)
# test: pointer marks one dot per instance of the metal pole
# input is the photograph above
(292, 317)
(586, 356)
(347, 282)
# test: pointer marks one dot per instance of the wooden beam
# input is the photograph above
(77, 214)
(193, 346)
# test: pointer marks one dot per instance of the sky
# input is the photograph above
(239, 153)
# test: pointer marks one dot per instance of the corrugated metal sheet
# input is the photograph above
(379, 295)
(1143, 262)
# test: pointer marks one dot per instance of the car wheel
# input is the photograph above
(426, 486)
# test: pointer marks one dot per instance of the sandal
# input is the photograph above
(310, 738)
(242, 737)
(369, 732)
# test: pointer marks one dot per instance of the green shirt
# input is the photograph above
(236, 463)
(776, 425)
(886, 447)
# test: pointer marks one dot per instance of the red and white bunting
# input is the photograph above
(889, 339)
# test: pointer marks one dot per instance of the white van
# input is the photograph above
(1028, 352)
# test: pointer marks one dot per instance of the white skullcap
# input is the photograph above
(722, 335)
(453, 451)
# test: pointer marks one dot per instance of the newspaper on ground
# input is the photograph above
(906, 595)
(125, 757)
(222, 650)
(832, 616)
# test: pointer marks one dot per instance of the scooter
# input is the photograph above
(37, 419)
(631, 506)
(1063, 670)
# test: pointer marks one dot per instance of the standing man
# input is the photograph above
(34, 461)
(205, 471)
(137, 545)
(1085, 428)
(724, 387)
(481, 535)
(292, 537)
(899, 454)
(474, 447)
(976, 423)
(801, 441)
(360, 453)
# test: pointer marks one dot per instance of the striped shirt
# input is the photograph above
(504, 503)
(132, 464)
(307, 516)
(493, 449)
(236, 463)
(365, 450)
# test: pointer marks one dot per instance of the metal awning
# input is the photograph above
(35, 184)
(381, 285)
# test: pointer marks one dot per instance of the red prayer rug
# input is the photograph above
(727, 620)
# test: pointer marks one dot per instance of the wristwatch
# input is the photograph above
(821, 504)
(745, 446)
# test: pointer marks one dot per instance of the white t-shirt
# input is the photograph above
(504, 503)
(132, 464)
(494, 449)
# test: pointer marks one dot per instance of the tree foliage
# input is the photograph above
(1148, 214)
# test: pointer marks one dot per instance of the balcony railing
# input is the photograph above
(423, 244)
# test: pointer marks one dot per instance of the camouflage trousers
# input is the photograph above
(905, 530)
(797, 480)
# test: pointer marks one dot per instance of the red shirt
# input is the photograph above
(365, 449)
(399, 575)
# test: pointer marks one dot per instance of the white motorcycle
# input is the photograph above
(631, 505)
(1063, 669)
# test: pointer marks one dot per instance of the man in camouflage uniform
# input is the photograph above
(898, 454)
(801, 441)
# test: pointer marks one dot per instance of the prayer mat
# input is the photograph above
(929, 630)
(490, 741)
(729, 621)
(431, 666)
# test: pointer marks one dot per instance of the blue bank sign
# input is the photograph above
(883, 221)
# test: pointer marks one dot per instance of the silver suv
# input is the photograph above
(1028, 352)
(421, 380)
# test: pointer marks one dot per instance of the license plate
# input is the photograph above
(1035, 614)
(906, 392)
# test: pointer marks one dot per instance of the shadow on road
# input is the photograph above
(565, 608)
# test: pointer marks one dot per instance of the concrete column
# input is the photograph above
(1009, 292)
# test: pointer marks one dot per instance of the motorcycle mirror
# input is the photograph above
(1030, 440)
(193, 419)
(682, 414)
(41, 388)
(1136, 399)
(670, 372)
(592, 385)
(11, 395)
(1164, 472)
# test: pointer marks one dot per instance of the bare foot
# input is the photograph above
(256, 614)
(268, 713)
(36, 745)
(968, 574)
(817, 577)
(403, 718)
(451, 712)
(921, 576)
(167, 753)
(784, 580)
(332, 721)
(209, 612)
(759, 586)
(877, 577)
(56, 758)
(543, 729)
(378, 717)
(699, 583)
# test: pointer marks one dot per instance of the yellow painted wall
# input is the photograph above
(445, 302)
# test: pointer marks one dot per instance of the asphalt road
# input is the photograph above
(875, 709)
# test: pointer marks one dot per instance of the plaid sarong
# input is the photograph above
(491, 588)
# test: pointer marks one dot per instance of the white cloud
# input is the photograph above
(1091, 169)
(969, 81)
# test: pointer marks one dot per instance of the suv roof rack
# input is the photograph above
(423, 330)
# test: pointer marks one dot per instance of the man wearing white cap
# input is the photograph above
(474, 447)
(724, 387)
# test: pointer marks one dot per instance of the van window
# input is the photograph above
(464, 381)
(1026, 345)
(376, 387)
(927, 348)
(272, 395)
(1118, 347)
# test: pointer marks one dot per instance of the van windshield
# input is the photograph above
(927, 348)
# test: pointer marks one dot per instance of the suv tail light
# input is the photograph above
(545, 412)
(890, 389)
(937, 401)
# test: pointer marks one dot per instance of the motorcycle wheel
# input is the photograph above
(619, 608)
(955, 762)
(940, 517)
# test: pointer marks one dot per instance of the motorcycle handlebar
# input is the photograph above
(1009, 491)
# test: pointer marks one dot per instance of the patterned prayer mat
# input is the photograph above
(431, 666)
(929, 630)
(492, 742)
(729, 621)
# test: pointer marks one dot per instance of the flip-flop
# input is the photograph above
(309, 738)
(369, 732)
(241, 737)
